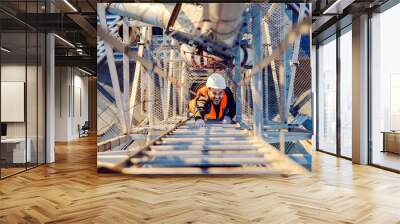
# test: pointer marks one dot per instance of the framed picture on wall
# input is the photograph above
(12, 101)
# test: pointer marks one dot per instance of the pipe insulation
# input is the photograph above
(222, 21)
(219, 27)
(155, 14)
(191, 57)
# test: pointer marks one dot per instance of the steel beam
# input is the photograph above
(257, 78)
(136, 78)
(238, 76)
(273, 66)
(125, 62)
(294, 62)
(169, 86)
(181, 91)
(113, 71)
(297, 8)
(150, 100)
(287, 23)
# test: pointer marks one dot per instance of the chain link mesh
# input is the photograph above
(168, 99)
(277, 21)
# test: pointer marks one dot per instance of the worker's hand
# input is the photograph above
(199, 123)
(227, 120)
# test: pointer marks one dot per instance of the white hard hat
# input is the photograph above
(216, 81)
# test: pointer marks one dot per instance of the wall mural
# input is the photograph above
(204, 88)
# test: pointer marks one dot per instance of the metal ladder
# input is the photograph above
(216, 149)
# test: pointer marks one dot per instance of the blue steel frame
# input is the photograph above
(257, 83)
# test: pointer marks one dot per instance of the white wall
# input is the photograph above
(81, 94)
(61, 103)
(71, 94)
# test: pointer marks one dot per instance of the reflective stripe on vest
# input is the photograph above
(203, 91)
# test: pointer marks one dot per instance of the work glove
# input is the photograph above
(227, 120)
(199, 123)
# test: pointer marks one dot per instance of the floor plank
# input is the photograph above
(71, 191)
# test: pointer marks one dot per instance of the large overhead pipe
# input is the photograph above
(206, 60)
(222, 21)
(155, 14)
(219, 28)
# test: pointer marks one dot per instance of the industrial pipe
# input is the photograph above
(219, 29)
(206, 60)
(222, 21)
(155, 14)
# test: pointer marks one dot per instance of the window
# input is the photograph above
(385, 89)
(22, 76)
(327, 96)
(346, 92)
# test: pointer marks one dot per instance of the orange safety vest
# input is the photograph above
(203, 91)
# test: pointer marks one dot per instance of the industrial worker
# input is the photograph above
(214, 101)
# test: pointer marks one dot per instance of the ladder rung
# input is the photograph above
(207, 135)
(197, 170)
(211, 126)
(191, 131)
(217, 154)
(206, 143)
(208, 128)
(206, 139)
(205, 147)
(200, 161)
(221, 136)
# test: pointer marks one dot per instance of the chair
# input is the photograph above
(84, 130)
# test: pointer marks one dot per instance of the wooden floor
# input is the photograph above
(10, 171)
(70, 191)
(386, 159)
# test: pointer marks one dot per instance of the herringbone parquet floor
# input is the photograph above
(70, 191)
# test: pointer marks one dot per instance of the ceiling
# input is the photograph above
(326, 21)
(72, 20)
